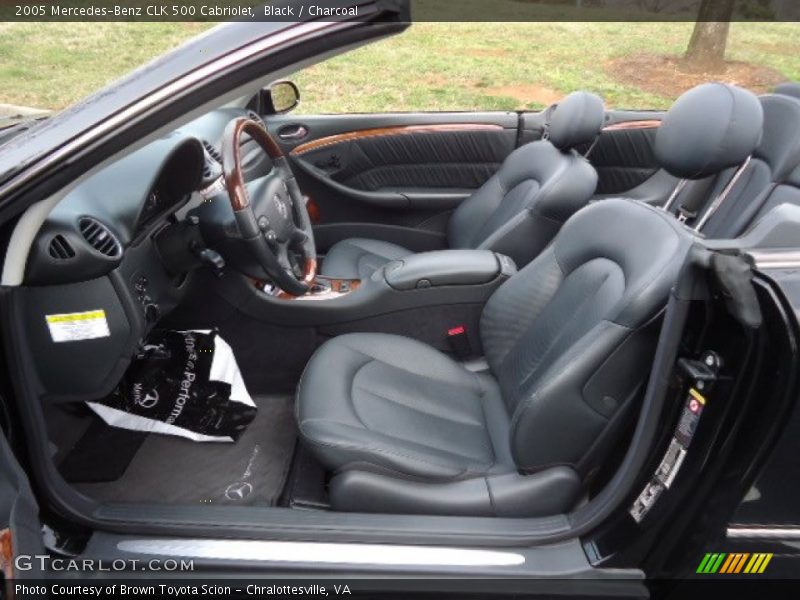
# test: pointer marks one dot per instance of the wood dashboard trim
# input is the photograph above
(389, 131)
(628, 125)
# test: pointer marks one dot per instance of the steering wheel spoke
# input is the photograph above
(299, 236)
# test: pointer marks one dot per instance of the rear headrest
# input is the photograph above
(577, 119)
(780, 144)
(788, 89)
(710, 128)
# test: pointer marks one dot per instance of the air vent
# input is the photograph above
(212, 152)
(255, 117)
(60, 248)
(99, 237)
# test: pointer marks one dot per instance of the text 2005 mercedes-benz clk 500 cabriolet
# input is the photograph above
(556, 347)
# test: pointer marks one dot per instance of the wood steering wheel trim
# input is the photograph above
(231, 158)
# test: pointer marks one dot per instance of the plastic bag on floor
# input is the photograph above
(184, 383)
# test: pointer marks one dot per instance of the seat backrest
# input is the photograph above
(773, 160)
(786, 187)
(567, 336)
(518, 211)
(789, 88)
(787, 191)
(704, 137)
(712, 127)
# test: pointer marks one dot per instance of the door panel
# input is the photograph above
(624, 154)
(421, 159)
(397, 177)
(394, 177)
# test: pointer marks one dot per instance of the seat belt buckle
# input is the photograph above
(684, 215)
(459, 342)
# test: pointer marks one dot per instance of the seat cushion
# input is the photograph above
(358, 258)
(393, 405)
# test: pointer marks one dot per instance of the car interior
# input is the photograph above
(448, 314)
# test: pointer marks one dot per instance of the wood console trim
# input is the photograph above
(628, 125)
(334, 291)
(389, 131)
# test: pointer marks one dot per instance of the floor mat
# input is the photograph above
(172, 470)
(102, 454)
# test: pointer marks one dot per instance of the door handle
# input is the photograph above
(293, 132)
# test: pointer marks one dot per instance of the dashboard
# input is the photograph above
(99, 253)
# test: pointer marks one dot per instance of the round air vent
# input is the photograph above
(99, 237)
(60, 249)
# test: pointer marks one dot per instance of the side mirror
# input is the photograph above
(280, 97)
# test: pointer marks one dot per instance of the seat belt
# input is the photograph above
(678, 189)
(548, 114)
(693, 205)
(695, 198)
(722, 196)
(591, 146)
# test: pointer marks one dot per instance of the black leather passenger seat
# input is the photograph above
(405, 428)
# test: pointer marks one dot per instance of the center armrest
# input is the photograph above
(447, 268)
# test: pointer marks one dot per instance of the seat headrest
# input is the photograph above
(710, 128)
(780, 143)
(577, 119)
(788, 89)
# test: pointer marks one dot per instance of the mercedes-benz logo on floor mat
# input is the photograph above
(238, 491)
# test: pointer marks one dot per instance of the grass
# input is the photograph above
(433, 66)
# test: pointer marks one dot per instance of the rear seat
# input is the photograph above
(786, 189)
(769, 176)
(743, 194)
(789, 88)
(776, 156)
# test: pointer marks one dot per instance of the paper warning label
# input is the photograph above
(72, 327)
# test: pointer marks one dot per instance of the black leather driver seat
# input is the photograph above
(407, 429)
(518, 210)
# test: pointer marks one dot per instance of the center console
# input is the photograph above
(422, 296)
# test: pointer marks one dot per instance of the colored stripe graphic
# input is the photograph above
(711, 562)
(730, 564)
(763, 566)
(735, 563)
(740, 563)
(703, 564)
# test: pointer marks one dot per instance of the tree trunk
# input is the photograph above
(710, 36)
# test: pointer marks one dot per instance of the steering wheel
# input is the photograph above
(276, 222)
